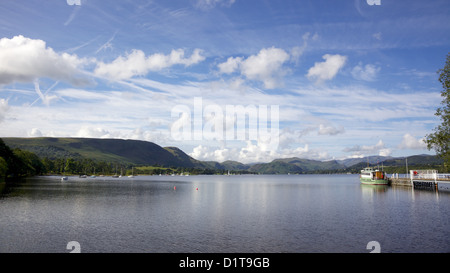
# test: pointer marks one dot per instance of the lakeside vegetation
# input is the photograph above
(439, 140)
(18, 163)
(57, 161)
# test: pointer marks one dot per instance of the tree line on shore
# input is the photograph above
(16, 163)
(21, 163)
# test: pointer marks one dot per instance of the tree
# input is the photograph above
(49, 165)
(440, 139)
(70, 166)
(14, 165)
(3, 167)
(31, 164)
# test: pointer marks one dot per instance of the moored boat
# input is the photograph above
(132, 173)
(372, 176)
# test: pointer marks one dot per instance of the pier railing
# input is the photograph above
(429, 175)
(423, 174)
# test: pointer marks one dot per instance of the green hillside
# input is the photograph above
(398, 165)
(108, 150)
(184, 159)
(295, 165)
(234, 166)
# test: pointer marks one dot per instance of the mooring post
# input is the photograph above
(435, 179)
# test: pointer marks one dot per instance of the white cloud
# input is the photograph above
(328, 69)
(366, 73)
(266, 66)
(25, 60)
(330, 130)
(208, 153)
(108, 44)
(230, 66)
(385, 152)
(46, 99)
(377, 36)
(137, 64)
(35, 133)
(297, 51)
(255, 152)
(3, 109)
(88, 131)
(288, 136)
(201, 153)
(379, 148)
(410, 142)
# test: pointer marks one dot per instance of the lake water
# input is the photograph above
(238, 213)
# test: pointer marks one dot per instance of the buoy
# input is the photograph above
(196, 189)
(174, 187)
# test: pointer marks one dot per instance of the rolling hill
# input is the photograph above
(295, 165)
(110, 150)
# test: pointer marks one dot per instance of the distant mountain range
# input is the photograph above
(147, 153)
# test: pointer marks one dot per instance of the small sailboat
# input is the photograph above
(115, 175)
(132, 173)
(64, 177)
(83, 175)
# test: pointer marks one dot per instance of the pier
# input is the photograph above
(422, 179)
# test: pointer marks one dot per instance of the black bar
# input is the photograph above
(223, 262)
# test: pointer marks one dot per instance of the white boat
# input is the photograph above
(132, 173)
(115, 174)
(64, 177)
(373, 176)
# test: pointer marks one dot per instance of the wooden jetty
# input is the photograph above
(422, 179)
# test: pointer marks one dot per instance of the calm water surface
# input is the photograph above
(279, 213)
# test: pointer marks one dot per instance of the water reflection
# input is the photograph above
(305, 213)
(374, 188)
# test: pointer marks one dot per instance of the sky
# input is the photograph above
(244, 80)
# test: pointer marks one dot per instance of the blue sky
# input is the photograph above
(349, 79)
